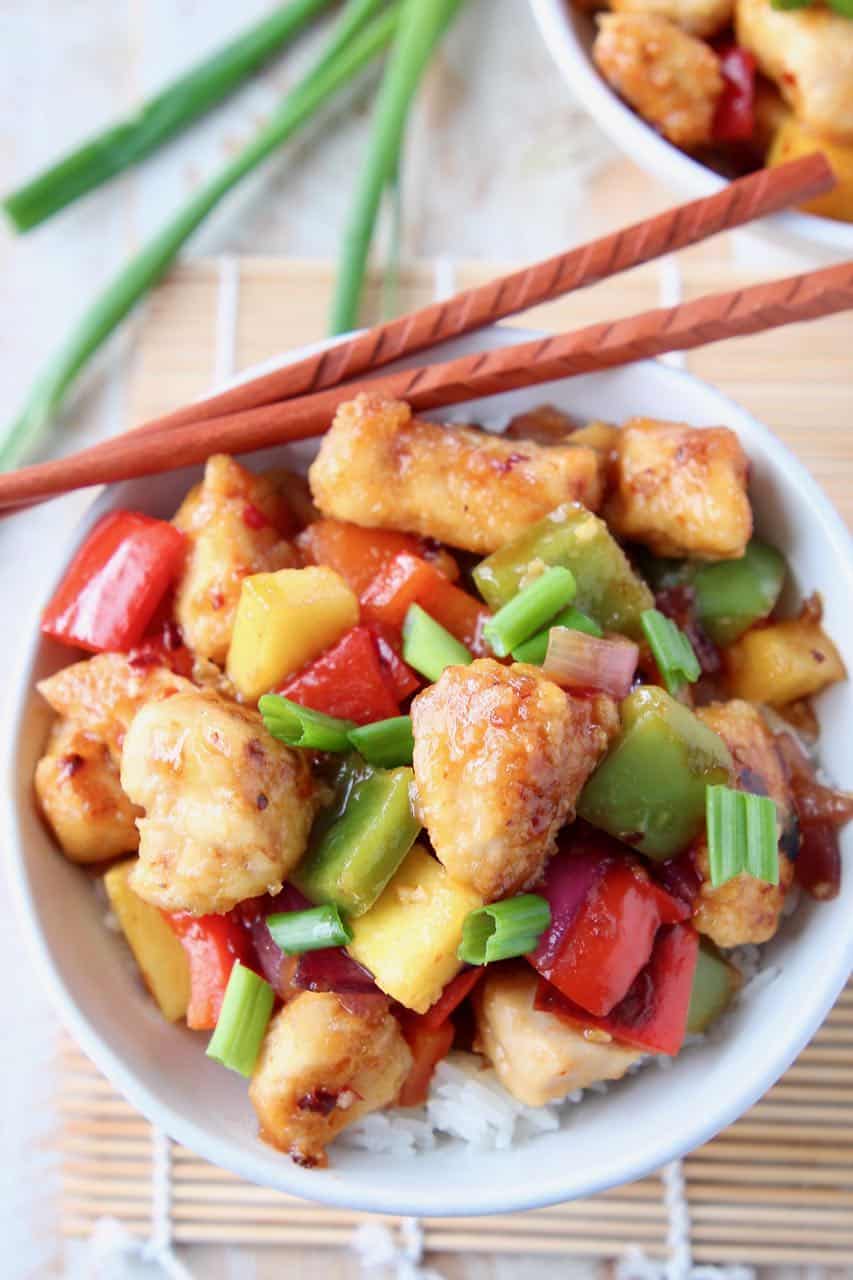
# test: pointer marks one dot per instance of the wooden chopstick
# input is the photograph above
(740, 202)
(711, 318)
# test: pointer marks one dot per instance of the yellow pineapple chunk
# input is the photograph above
(783, 662)
(285, 620)
(160, 956)
(409, 938)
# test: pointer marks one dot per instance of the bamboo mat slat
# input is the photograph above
(775, 1188)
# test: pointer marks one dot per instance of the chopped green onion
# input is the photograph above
(310, 930)
(301, 726)
(242, 1021)
(162, 117)
(504, 929)
(351, 50)
(386, 743)
(422, 24)
(528, 612)
(535, 649)
(790, 4)
(844, 7)
(671, 649)
(742, 835)
(428, 647)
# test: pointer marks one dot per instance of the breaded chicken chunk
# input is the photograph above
(380, 467)
(702, 18)
(681, 490)
(232, 522)
(809, 55)
(538, 1057)
(501, 754)
(227, 807)
(78, 790)
(745, 909)
(102, 694)
(321, 1068)
(671, 78)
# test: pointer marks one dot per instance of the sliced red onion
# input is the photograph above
(569, 880)
(333, 970)
(275, 966)
(576, 660)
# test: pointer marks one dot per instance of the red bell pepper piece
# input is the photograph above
(653, 1014)
(358, 554)
(609, 936)
(409, 580)
(734, 117)
(428, 1045)
(115, 582)
(451, 997)
(347, 682)
(403, 680)
(212, 944)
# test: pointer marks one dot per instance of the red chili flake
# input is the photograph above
(319, 1100)
(216, 598)
(253, 517)
(173, 636)
(261, 801)
(71, 764)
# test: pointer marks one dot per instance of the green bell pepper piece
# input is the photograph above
(715, 982)
(731, 595)
(359, 842)
(607, 587)
(650, 789)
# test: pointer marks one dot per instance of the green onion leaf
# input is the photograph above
(671, 649)
(163, 116)
(352, 47)
(422, 24)
(844, 7)
(790, 4)
(528, 612)
(387, 743)
(311, 930)
(535, 649)
(428, 647)
(242, 1021)
(301, 726)
(504, 929)
(742, 835)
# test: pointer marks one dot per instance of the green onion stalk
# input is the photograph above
(354, 44)
(162, 117)
(422, 24)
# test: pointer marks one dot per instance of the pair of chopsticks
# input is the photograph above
(299, 401)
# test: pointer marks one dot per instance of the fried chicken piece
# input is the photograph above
(102, 694)
(232, 522)
(227, 808)
(808, 53)
(501, 754)
(381, 468)
(321, 1068)
(79, 792)
(681, 491)
(538, 1057)
(672, 79)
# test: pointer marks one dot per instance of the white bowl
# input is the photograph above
(569, 34)
(645, 1121)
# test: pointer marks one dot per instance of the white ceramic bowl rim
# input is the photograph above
(639, 140)
(376, 1188)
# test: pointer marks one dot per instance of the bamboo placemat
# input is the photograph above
(775, 1188)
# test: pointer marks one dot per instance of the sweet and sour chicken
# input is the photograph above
(332, 775)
